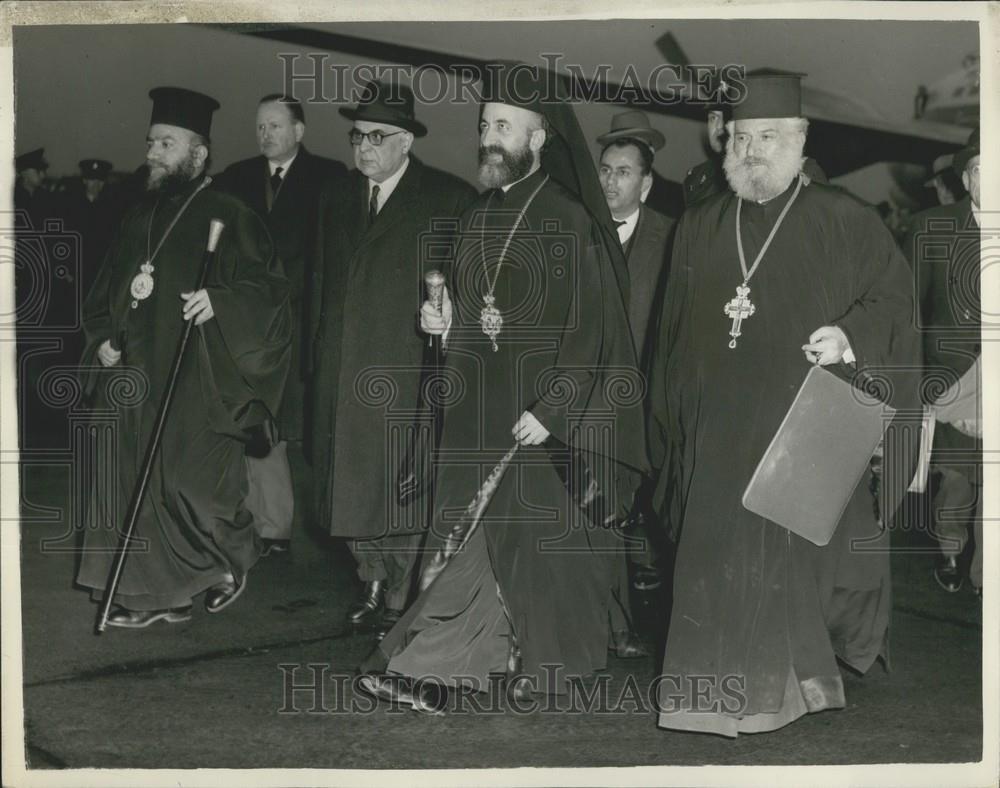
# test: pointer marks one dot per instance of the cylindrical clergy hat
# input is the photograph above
(33, 159)
(184, 108)
(382, 103)
(95, 169)
(519, 85)
(770, 94)
(968, 153)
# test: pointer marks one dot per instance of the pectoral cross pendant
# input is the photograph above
(738, 310)
(491, 320)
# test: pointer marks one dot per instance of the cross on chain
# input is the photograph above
(738, 310)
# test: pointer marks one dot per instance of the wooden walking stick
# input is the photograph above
(153, 447)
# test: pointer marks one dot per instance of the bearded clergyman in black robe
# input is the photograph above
(761, 616)
(194, 533)
(538, 357)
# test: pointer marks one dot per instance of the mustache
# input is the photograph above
(488, 150)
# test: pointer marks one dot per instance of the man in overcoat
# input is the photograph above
(367, 350)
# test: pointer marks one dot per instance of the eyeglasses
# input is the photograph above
(374, 137)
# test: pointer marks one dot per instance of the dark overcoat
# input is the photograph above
(290, 216)
(367, 351)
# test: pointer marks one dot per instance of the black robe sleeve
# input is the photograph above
(664, 427)
(879, 324)
(246, 349)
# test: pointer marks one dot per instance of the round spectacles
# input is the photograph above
(374, 137)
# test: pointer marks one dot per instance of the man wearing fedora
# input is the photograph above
(370, 254)
(947, 184)
(664, 196)
(626, 174)
(282, 186)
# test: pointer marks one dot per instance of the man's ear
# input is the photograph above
(537, 140)
(300, 130)
(965, 179)
(200, 154)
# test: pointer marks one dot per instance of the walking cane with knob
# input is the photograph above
(434, 282)
(152, 448)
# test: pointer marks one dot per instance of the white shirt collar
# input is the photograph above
(388, 186)
(626, 230)
(285, 165)
(975, 213)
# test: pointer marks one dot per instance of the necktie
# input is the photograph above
(373, 206)
(618, 224)
(276, 180)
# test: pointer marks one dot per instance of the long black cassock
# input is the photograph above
(760, 615)
(564, 353)
(193, 527)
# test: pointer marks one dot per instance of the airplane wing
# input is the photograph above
(843, 136)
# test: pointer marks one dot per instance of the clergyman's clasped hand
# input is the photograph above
(198, 305)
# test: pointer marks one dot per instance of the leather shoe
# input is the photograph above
(366, 612)
(647, 578)
(947, 574)
(271, 546)
(389, 619)
(628, 645)
(423, 696)
(222, 595)
(140, 619)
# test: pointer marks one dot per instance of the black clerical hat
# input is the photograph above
(967, 154)
(770, 94)
(519, 85)
(33, 159)
(383, 103)
(187, 109)
(95, 169)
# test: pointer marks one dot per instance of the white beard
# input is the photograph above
(766, 180)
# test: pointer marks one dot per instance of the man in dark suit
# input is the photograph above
(368, 351)
(944, 249)
(282, 185)
(662, 195)
(626, 173)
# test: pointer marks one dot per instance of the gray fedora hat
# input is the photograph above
(633, 124)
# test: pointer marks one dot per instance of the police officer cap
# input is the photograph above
(95, 169)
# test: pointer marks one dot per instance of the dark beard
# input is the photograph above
(513, 166)
(173, 179)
